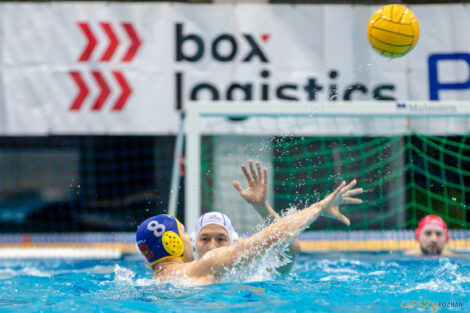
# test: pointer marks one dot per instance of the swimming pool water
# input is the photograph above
(330, 282)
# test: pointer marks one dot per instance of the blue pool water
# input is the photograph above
(330, 282)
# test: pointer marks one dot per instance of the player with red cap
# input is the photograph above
(432, 236)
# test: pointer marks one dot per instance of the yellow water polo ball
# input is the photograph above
(393, 30)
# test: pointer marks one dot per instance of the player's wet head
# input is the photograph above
(160, 238)
(432, 234)
(213, 230)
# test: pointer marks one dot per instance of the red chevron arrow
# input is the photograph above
(86, 53)
(101, 99)
(126, 91)
(113, 42)
(136, 42)
(83, 91)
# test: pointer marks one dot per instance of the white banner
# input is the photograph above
(122, 68)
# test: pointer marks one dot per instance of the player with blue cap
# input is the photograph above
(161, 237)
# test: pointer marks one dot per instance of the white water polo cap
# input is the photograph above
(216, 218)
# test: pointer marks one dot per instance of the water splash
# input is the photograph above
(444, 278)
(123, 275)
(345, 278)
(7, 273)
(261, 268)
(313, 285)
(266, 261)
(27, 271)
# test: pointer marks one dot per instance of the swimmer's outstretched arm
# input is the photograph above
(286, 229)
(255, 194)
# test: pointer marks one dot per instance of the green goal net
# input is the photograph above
(411, 160)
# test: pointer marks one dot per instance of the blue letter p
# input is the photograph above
(434, 84)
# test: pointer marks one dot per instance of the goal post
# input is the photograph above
(309, 146)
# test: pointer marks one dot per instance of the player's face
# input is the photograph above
(432, 241)
(210, 237)
(188, 246)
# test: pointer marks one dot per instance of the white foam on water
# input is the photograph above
(27, 271)
(144, 282)
(7, 273)
(122, 274)
(388, 265)
(444, 278)
(340, 270)
(124, 277)
(98, 269)
(437, 285)
(345, 278)
(32, 271)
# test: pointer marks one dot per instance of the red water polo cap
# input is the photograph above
(431, 221)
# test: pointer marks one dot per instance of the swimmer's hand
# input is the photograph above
(342, 195)
(255, 193)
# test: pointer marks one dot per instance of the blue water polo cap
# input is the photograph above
(159, 238)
